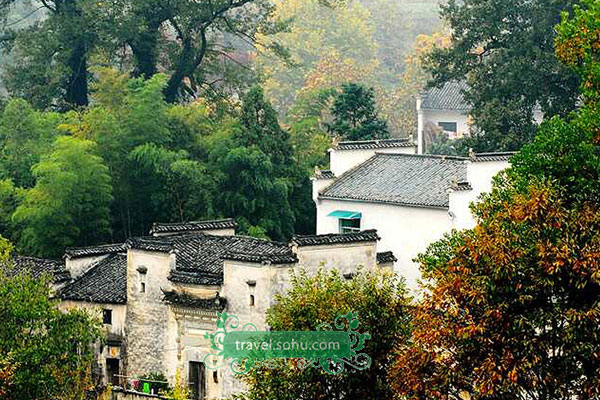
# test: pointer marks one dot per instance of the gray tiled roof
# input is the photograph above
(200, 256)
(179, 227)
(105, 282)
(262, 258)
(334, 238)
(187, 300)
(38, 267)
(374, 144)
(447, 97)
(461, 187)
(402, 179)
(487, 157)
(91, 251)
(325, 174)
(386, 257)
(147, 244)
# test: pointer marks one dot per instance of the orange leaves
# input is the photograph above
(513, 305)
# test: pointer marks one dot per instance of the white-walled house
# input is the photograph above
(412, 200)
(158, 295)
(445, 108)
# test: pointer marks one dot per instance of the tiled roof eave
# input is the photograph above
(393, 203)
(94, 251)
(227, 223)
(445, 109)
(95, 301)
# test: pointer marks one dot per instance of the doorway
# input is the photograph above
(196, 380)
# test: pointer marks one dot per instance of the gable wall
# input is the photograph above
(344, 160)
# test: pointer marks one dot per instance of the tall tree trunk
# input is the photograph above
(75, 25)
(77, 85)
(189, 60)
(144, 50)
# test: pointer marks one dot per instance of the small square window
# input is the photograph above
(349, 225)
(107, 316)
(448, 126)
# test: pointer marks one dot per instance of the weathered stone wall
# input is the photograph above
(149, 328)
(346, 258)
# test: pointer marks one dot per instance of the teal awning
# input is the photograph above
(346, 214)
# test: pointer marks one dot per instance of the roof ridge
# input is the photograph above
(436, 156)
(335, 238)
(36, 258)
(90, 251)
(375, 140)
(496, 153)
(195, 222)
(183, 226)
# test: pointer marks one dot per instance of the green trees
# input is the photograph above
(70, 203)
(259, 180)
(131, 159)
(24, 134)
(380, 303)
(355, 116)
(51, 59)
(504, 59)
(44, 353)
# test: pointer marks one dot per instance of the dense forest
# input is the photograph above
(114, 116)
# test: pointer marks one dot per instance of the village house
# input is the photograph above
(158, 295)
(412, 200)
(445, 109)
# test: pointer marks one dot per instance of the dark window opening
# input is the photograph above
(143, 288)
(107, 316)
(448, 126)
(215, 377)
(349, 225)
(251, 300)
(196, 380)
(112, 371)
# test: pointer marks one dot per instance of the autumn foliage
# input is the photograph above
(512, 307)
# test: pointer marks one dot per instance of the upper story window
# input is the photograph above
(107, 316)
(348, 221)
(349, 225)
(448, 126)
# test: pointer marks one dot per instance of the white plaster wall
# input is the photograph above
(436, 116)
(118, 313)
(480, 174)
(318, 185)
(407, 231)
(78, 266)
(459, 206)
(343, 160)
(346, 258)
